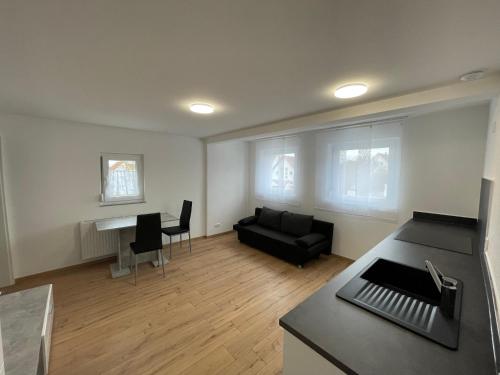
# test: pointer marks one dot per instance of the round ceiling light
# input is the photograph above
(202, 108)
(472, 76)
(351, 90)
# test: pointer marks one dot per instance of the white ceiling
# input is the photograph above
(139, 64)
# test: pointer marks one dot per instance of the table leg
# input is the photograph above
(157, 262)
(117, 269)
(119, 252)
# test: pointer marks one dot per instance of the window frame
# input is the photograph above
(382, 204)
(104, 163)
(376, 135)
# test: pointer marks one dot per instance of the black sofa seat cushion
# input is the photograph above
(270, 218)
(248, 220)
(318, 247)
(310, 239)
(270, 233)
(296, 224)
(172, 231)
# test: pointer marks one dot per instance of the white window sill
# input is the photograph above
(293, 203)
(120, 203)
(375, 217)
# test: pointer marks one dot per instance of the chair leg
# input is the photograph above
(170, 247)
(180, 241)
(135, 258)
(189, 234)
(162, 262)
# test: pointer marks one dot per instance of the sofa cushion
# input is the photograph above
(296, 224)
(310, 240)
(318, 247)
(248, 220)
(270, 218)
(271, 233)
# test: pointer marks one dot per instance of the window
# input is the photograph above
(358, 170)
(355, 164)
(277, 169)
(283, 166)
(122, 179)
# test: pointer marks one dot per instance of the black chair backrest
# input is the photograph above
(185, 214)
(148, 232)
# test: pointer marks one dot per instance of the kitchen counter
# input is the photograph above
(26, 320)
(359, 342)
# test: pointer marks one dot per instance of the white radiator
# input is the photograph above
(96, 244)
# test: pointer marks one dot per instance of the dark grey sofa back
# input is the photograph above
(318, 226)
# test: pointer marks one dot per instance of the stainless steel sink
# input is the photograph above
(409, 297)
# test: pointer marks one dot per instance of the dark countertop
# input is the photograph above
(360, 342)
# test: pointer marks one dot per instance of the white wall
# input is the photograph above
(491, 166)
(52, 180)
(492, 172)
(443, 155)
(227, 185)
(6, 273)
(441, 167)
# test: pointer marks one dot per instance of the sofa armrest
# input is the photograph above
(309, 240)
(248, 221)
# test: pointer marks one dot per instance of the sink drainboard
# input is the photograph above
(407, 297)
(398, 305)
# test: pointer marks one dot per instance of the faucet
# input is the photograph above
(447, 286)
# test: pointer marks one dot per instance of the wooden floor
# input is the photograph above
(216, 312)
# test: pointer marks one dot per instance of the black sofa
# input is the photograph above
(293, 237)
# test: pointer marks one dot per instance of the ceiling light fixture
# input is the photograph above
(472, 76)
(202, 108)
(351, 90)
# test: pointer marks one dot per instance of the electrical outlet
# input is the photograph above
(217, 225)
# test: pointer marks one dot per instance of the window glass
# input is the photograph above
(277, 169)
(122, 178)
(357, 170)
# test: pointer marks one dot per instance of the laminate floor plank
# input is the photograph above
(216, 312)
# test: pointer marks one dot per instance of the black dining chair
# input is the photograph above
(183, 226)
(147, 238)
